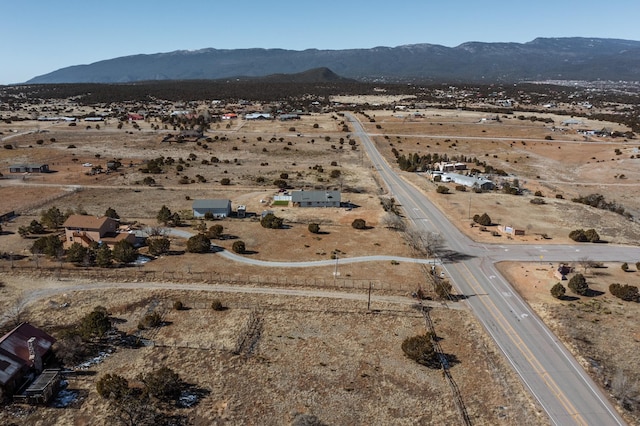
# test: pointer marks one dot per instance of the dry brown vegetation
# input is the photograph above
(326, 357)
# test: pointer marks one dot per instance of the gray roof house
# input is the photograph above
(218, 208)
(29, 168)
(315, 198)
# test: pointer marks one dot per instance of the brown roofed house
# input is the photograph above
(88, 229)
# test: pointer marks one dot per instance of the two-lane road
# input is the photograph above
(553, 376)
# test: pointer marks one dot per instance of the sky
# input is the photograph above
(41, 36)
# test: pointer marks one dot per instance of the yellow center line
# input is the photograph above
(517, 341)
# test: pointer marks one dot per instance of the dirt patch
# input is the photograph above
(586, 324)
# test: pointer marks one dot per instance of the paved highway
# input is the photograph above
(553, 376)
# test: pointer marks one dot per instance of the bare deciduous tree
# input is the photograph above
(424, 242)
(393, 221)
(585, 263)
(15, 314)
(625, 390)
(156, 231)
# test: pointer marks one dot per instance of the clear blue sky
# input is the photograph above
(40, 36)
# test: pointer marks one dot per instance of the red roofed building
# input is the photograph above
(23, 351)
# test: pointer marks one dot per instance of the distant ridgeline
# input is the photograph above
(540, 59)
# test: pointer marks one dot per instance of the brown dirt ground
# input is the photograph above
(568, 165)
(316, 356)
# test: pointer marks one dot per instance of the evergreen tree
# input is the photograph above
(104, 257)
(124, 252)
(164, 215)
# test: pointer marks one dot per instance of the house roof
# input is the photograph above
(466, 180)
(211, 204)
(30, 166)
(14, 352)
(315, 196)
(85, 222)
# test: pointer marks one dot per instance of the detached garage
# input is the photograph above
(217, 208)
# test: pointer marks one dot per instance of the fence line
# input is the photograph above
(138, 274)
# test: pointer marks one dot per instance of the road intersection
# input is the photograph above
(553, 376)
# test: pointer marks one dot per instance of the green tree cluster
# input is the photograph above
(582, 236)
(199, 243)
(53, 218)
(359, 224)
(441, 189)
(625, 292)
(578, 285)
(158, 245)
(558, 291)
(483, 219)
(51, 245)
(420, 349)
(95, 324)
(271, 221)
(215, 231)
(239, 247)
(166, 217)
(111, 213)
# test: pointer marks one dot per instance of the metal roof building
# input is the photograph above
(469, 181)
(315, 198)
(217, 207)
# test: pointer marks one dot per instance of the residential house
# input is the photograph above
(23, 353)
(449, 167)
(286, 117)
(86, 230)
(257, 116)
(29, 168)
(468, 181)
(304, 198)
(218, 208)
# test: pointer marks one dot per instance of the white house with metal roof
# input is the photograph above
(468, 181)
(315, 198)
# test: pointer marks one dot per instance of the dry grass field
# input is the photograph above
(326, 357)
(600, 330)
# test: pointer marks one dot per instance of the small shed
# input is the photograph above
(219, 208)
(43, 387)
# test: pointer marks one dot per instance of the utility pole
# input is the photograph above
(369, 299)
(335, 270)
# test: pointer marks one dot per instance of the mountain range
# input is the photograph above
(540, 59)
